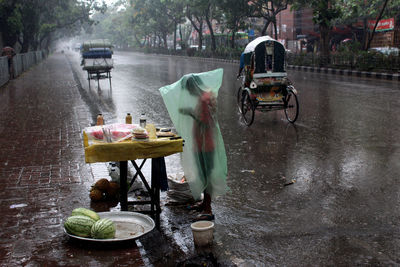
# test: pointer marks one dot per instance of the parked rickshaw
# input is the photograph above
(265, 86)
(97, 59)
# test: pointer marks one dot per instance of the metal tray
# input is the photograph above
(129, 226)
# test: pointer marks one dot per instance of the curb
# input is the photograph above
(201, 58)
(355, 73)
(347, 72)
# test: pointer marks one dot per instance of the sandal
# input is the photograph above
(196, 207)
(204, 217)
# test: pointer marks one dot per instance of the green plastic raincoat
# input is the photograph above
(192, 105)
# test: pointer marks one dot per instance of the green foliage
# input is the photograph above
(235, 14)
(47, 28)
(153, 18)
(324, 12)
(114, 25)
(324, 15)
(10, 21)
(31, 22)
(358, 10)
(350, 59)
(350, 47)
(353, 10)
(14, 21)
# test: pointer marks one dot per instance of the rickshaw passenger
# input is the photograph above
(249, 61)
(241, 65)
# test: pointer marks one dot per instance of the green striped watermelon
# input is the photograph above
(86, 212)
(103, 229)
(79, 225)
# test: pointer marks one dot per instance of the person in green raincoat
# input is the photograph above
(194, 113)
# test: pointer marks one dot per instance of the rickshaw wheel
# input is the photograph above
(247, 109)
(239, 97)
(291, 107)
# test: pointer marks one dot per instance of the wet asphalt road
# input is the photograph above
(343, 153)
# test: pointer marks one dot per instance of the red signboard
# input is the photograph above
(383, 24)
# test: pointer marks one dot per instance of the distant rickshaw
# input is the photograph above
(265, 86)
(97, 59)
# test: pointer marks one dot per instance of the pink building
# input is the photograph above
(296, 29)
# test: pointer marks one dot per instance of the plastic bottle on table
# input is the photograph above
(100, 119)
(142, 120)
(128, 118)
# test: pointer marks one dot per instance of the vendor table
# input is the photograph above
(153, 148)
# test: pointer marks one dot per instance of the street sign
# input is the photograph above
(383, 25)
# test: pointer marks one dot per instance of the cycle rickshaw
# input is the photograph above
(265, 86)
(97, 60)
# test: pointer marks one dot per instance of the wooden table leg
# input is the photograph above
(156, 172)
(123, 167)
(156, 187)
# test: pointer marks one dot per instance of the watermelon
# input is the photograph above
(79, 225)
(86, 212)
(103, 229)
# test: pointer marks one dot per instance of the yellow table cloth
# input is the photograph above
(131, 150)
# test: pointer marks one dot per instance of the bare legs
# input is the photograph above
(207, 204)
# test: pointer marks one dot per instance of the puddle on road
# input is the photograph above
(15, 206)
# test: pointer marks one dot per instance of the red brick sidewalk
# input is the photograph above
(43, 173)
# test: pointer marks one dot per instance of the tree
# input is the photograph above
(235, 14)
(353, 10)
(324, 14)
(211, 13)
(10, 21)
(113, 25)
(30, 22)
(269, 9)
(195, 12)
(152, 16)
(175, 12)
(136, 19)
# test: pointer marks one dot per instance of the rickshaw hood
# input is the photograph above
(252, 45)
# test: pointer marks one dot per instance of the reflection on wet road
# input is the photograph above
(342, 153)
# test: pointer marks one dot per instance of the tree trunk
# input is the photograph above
(209, 24)
(25, 46)
(160, 40)
(182, 44)
(200, 32)
(325, 34)
(233, 38)
(48, 43)
(164, 36)
(365, 34)
(138, 41)
(264, 30)
(175, 35)
(276, 30)
(198, 29)
(200, 37)
(26, 41)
